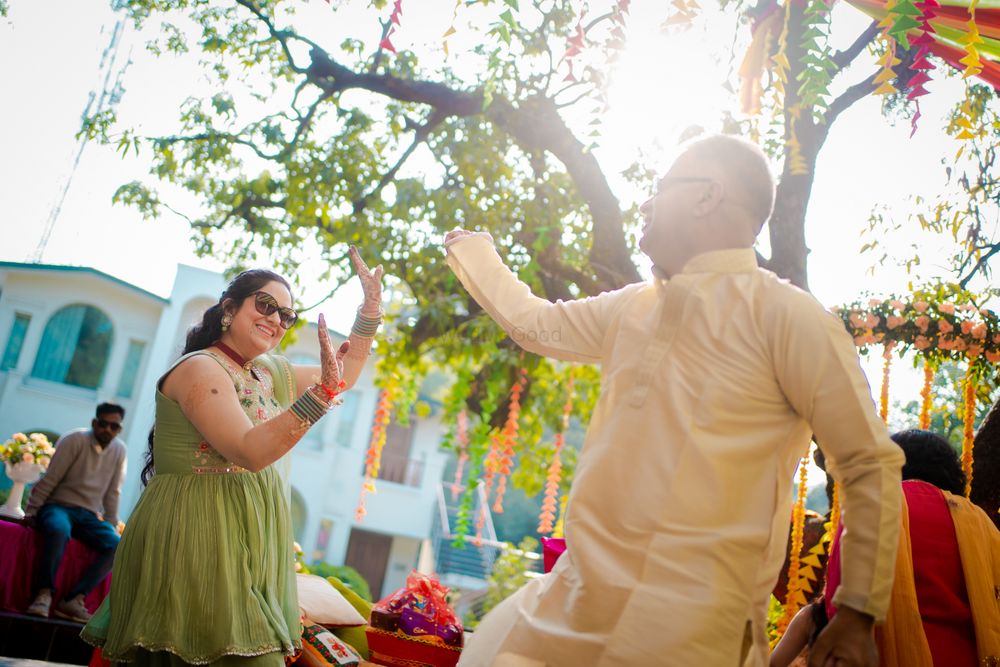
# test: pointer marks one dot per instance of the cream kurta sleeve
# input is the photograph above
(817, 367)
(571, 331)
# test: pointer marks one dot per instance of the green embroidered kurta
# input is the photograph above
(205, 567)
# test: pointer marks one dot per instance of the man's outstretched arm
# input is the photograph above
(567, 330)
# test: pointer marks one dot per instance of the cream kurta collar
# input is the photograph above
(731, 260)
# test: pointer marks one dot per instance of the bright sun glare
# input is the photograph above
(664, 83)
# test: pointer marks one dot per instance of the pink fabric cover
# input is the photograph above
(552, 548)
(18, 546)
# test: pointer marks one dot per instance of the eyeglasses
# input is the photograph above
(114, 427)
(266, 306)
(664, 183)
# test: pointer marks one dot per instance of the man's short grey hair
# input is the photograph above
(746, 166)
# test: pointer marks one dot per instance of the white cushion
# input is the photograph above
(323, 604)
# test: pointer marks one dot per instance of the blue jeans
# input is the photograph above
(57, 524)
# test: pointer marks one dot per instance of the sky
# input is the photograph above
(663, 84)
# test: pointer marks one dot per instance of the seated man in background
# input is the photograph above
(78, 497)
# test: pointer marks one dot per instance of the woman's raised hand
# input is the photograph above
(371, 283)
(331, 362)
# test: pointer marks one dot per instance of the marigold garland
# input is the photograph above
(462, 441)
(509, 438)
(490, 467)
(925, 396)
(834, 509)
(548, 514)
(373, 458)
(795, 597)
(557, 531)
(552, 479)
(886, 367)
(968, 433)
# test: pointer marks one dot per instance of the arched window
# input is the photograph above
(75, 347)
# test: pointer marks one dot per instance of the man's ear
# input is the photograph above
(710, 197)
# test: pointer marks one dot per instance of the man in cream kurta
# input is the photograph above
(715, 375)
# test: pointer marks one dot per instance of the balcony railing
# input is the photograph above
(401, 470)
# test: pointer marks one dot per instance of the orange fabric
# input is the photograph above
(979, 545)
(901, 639)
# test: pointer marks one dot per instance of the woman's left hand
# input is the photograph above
(371, 283)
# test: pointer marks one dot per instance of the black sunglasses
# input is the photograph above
(114, 427)
(266, 306)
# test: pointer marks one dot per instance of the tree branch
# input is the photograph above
(842, 59)
(280, 35)
(980, 265)
(421, 134)
(847, 98)
(205, 136)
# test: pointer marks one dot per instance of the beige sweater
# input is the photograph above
(81, 474)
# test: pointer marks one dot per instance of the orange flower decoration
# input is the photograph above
(969, 418)
(373, 458)
(795, 598)
(509, 438)
(925, 396)
(548, 514)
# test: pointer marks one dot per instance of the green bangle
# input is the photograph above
(308, 408)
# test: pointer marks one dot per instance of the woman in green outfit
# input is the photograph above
(204, 573)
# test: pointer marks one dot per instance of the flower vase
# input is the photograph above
(21, 474)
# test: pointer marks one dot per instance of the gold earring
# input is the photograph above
(227, 319)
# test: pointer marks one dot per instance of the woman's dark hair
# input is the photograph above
(209, 330)
(932, 459)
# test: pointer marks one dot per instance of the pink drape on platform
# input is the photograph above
(18, 548)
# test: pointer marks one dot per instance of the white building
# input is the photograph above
(73, 337)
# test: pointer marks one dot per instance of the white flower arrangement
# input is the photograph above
(33, 448)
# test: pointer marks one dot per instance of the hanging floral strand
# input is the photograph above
(373, 459)
(490, 466)
(794, 599)
(835, 508)
(925, 396)
(510, 438)
(462, 441)
(557, 531)
(548, 514)
(886, 366)
(969, 418)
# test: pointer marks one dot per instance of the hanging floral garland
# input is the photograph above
(510, 438)
(969, 386)
(795, 597)
(491, 466)
(552, 479)
(886, 367)
(925, 396)
(941, 330)
(373, 458)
